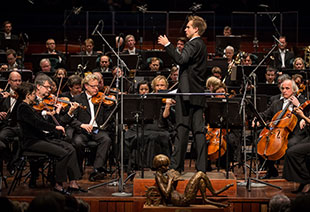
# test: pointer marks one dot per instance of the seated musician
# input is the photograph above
(32, 127)
(86, 124)
(74, 85)
(271, 74)
(296, 161)
(288, 99)
(279, 82)
(231, 144)
(8, 115)
(301, 86)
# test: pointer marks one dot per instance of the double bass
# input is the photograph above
(273, 140)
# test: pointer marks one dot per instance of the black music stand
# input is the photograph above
(130, 59)
(90, 62)
(163, 55)
(6, 44)
(221, 42)
(37, 57)
(140, 110)
(100, 45)
(237, 75)
(221, 113)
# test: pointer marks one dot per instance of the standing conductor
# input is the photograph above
(192, 78)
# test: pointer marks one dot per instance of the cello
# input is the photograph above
(214, 135)
(272, 141)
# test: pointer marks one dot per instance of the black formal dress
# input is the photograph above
(81, 137)
(296, 161)
(34, 139)
(189, 109)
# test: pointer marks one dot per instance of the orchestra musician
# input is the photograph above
(8, 116)
(86, 124)
(75, 87)
(295, 163)
(288, 91)
(192, 78)
(33, 126)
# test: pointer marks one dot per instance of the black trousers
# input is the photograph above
(5, 135)
(104, 142)
(66, 165)
(190, 119)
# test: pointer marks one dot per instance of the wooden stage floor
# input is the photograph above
(101, 199)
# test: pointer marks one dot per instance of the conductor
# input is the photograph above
(192, 77)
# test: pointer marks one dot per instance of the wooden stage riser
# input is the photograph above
(136, 204)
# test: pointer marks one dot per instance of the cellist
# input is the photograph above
(288, 91)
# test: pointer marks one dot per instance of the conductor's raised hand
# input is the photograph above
(163, 40)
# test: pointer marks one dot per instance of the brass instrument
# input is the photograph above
(233, 64)
(307, 56)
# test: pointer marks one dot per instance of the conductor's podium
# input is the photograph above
(218, 180)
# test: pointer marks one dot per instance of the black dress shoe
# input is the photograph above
(62, 191)
(79, 189)
(96, 175)
(299, 189)
(269, 175)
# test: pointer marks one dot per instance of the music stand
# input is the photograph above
(140, 110)
(221, 42)
(100, 45)
(221, 113)
(130, 59)
(6, 44)
(236, 74)
(37, 57)
(166, 59)
(89, 61)
(3, 57)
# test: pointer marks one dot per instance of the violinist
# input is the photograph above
(301, 86)
(8, 116)
(86, 124)
(32, 126)
(295, 163)
(288, 91)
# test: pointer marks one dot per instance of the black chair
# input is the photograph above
(25, 157)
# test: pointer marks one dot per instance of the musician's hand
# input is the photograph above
(163, 40)
(58, 108)
(2, 115)
(61, 128)
(294, 100)
(254, 122)
(50, 113)
(170, 102)
(5, 94)
(87, 127)
(299, 112)
(73, 107)
(302, 123)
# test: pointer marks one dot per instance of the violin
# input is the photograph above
(101, 97)
(214, 135)
(50, 102)
(301, 89)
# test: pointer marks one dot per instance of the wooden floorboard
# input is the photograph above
(101, 199)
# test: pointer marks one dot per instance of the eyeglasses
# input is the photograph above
(50, 43)
(93, 86)
(104, 61)
(16, 80)
(48, 87)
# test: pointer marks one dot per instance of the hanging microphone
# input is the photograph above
(96, 28)
(276, 39)
(263, 6)
(77, 10)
